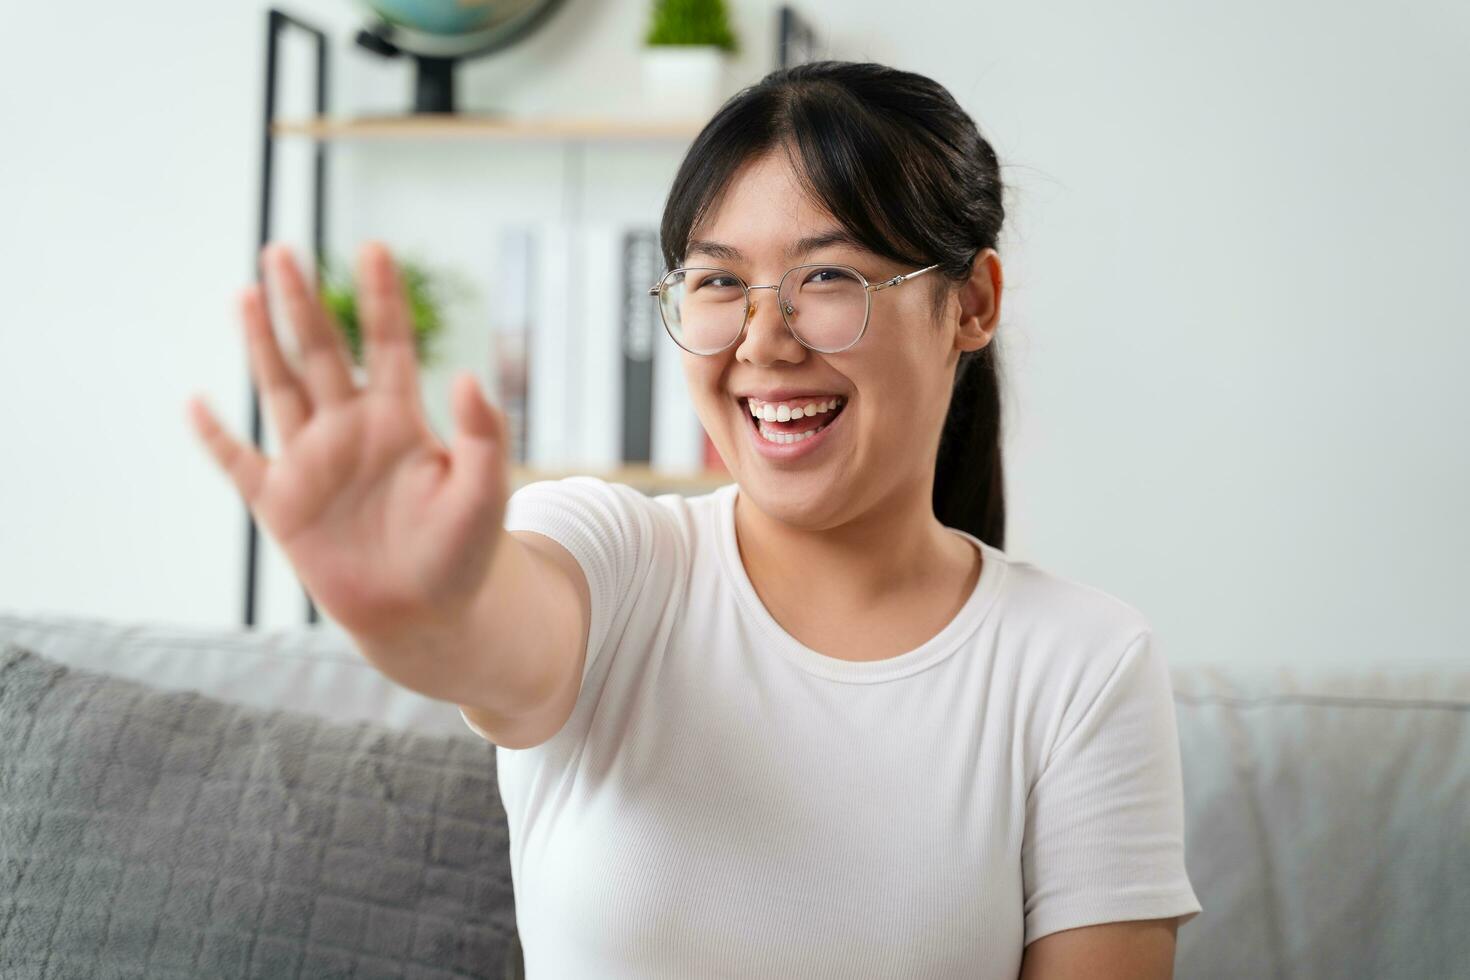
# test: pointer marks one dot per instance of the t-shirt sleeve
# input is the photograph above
(1104, 838)
(605, 526)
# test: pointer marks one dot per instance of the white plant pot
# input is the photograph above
(683, 80)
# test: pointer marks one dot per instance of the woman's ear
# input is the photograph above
(979, 298)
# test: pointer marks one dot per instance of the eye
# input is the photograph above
(830, 274)
(716, 281)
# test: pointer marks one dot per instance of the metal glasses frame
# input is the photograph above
(869, 288)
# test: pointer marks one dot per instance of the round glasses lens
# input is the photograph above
(825, 305)
(703, 309)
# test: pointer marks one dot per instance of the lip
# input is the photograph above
(791, 451)
(787, 394)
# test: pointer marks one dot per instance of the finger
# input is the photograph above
(388, 342)
(328, 380)
(477, 468)
(243, 464)
(285, 396)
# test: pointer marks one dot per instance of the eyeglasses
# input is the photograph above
(825, 307)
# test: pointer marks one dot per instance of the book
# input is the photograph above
(510, 329)
(553, 399)
(598, 294)
(641, 267)
(584, 368)
(678, 437)
(713, 461)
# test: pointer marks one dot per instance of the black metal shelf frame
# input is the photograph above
(277, 21)
(796, 41)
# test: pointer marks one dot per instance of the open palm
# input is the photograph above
(386, 527)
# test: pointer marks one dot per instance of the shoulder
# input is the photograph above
(1068, 642)
(1064, 616)
(631, 530)
(619, 501)
(612, 516)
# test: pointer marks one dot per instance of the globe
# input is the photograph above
(440, 33)
(438, 16)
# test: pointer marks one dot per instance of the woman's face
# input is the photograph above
(895, 382)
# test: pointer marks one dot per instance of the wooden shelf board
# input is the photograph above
(471, 126)
(644, 478)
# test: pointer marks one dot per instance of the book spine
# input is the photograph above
(510, 326)
(713, 461)
(553, 400)
(641, 268)
(598, 289)
(678, 435)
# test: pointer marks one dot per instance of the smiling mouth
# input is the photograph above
(795, 430)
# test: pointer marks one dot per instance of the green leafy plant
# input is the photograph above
(428, 293)
(691, 22)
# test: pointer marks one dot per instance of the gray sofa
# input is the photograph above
(185, 802)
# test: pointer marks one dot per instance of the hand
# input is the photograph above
(386, 528)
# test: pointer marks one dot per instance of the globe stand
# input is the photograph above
(433, 88)
(437, 54)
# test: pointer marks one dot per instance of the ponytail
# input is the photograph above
(969, 477)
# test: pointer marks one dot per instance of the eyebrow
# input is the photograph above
(801, 246)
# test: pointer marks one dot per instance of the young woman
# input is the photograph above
(816, 723)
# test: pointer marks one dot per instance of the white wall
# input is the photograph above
(1234, 319)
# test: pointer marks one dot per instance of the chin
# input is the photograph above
(813, 511)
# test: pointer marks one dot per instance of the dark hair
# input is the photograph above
(904, 169)
(901, 166)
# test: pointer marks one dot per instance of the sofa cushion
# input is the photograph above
(1327, 815)
(312, 668)
(165, 833)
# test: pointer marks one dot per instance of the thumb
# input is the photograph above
(478, 451)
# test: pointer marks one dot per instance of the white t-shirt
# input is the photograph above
(727, 802)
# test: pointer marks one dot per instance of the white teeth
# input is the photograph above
(773, 412)
(786, 438)
(781, 412)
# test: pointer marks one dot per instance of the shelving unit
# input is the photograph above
(323, 129)
(430, 126)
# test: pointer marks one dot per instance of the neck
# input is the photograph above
(894, 548)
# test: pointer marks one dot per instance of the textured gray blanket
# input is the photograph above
(152, 833)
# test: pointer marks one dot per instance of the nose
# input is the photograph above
(766, 336)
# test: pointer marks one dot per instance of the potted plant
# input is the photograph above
(426, 301)
(684, 56)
